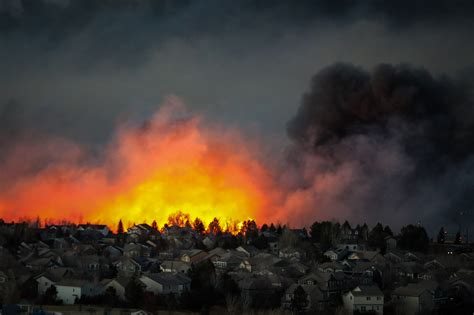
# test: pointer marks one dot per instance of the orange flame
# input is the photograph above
(149, 173)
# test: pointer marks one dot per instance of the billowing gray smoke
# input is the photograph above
(395, 142)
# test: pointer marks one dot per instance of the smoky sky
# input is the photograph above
(396, 140)
(435, 114)
(74, 68)
(246, 62)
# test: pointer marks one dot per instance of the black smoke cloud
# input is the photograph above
(396, 142)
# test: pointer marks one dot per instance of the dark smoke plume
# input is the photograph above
(396, 140)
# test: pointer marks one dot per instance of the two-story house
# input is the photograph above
(364, 299)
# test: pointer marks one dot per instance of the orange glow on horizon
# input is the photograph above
(148, 173)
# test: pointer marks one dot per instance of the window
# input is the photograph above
(379, 298)
(368, 298)
(363, 309)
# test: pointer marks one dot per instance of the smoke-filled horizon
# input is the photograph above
(362, 110)
(392, 143)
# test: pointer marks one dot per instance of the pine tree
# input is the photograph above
(198, 226)
(388, 231)
(299, 302)
(272, 228)
(214, 227)
(279, 229)
(154, 225)
(441, 236)
(458, 238)
(414, 238)
(120, 227)
(134, 292)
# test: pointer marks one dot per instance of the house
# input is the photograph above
(462, 288)
(170, 254)
(193, 256)
(309, 279)
(433, 265)
(366, 255)
(261, 264)
(70, 290)
(112, 252)
(411, 256)
(127, 266)
(348, 233)
(256, 290)
(165, 283)
(364, 299)
(467, 257)
(61, 243)
(248, 250)
(118, 284)
(273, 244)
(216, 252)
(209, 242)
(351, 246)
(390, 242)
(228, 261)
(394, 256)
(85, 249)
(365, 269)
(49, 278)
(45, 281)
(175, 266)
(41, 264)
(315, 297)
(301, 234)
(246, 265)
(332, 266)
(101, 228)
(357, 233)
(140, 229)
(89, 263)
(331, 284)
(287, 268)
(413, 299)
(409, 270)
(53, 231)
(290, 253)
(136, 250)
(336, 254)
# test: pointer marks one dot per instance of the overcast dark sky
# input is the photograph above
(74, 66)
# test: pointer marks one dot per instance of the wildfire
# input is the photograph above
(215, 226)
(149, 173)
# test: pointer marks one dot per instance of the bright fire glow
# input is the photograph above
(148, 173)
